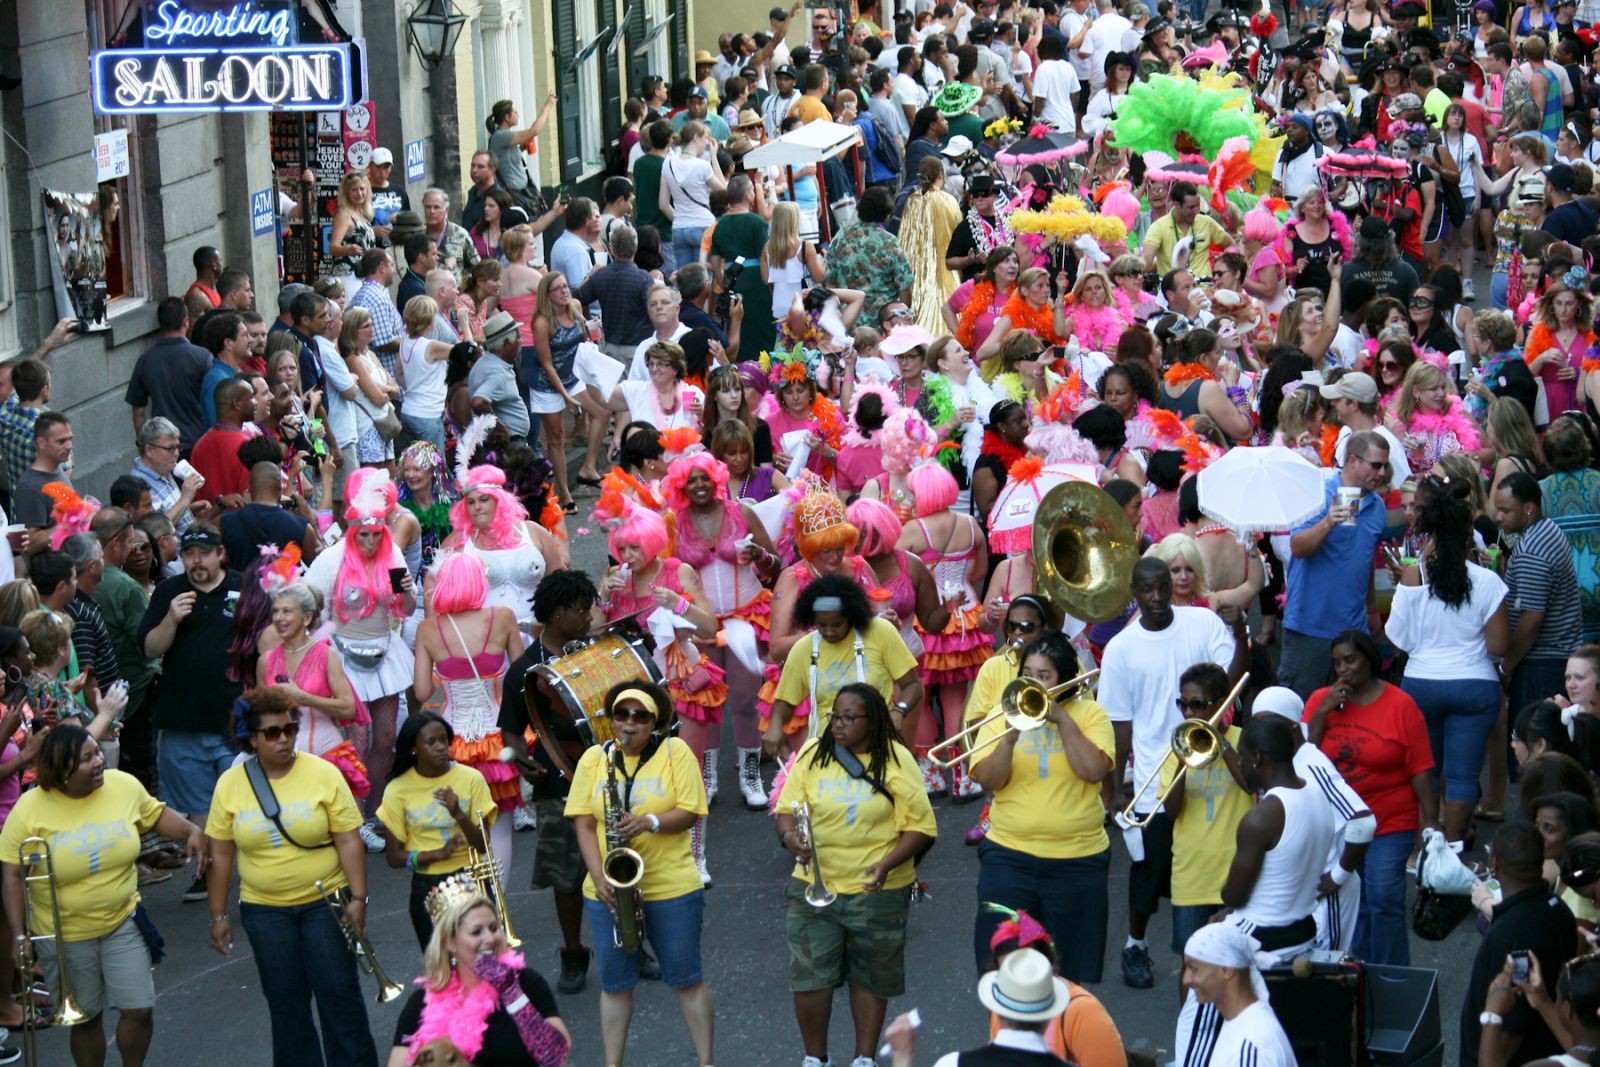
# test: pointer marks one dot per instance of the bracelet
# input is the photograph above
(683, 606)
(215, 919)
(411, 860)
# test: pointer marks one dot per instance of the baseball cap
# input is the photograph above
(1560, 176)
(1279, 700)
(785, 71)
(382, 157)
(501, 327)
(698, 93)
(778, 14)
(1405, 102)
(959, 145)
(1372, 227)
(981, 28)
(197, 536)
(1353, 386)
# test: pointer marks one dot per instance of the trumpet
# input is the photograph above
(35, 854)
(484, 868)
(1024, 704)
(817, 894)
(622, 866)
(1196, 743)
(359, 946)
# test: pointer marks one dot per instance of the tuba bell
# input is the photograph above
(1084, 551)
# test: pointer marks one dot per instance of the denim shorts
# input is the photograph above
(189, 766)
(1186, 919)
(673, 928)
(860, 938)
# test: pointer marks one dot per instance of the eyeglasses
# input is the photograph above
(1195, 704)
(1388, 364)
(164, 448)
(632, 715)
(847, 720)
(278, 733)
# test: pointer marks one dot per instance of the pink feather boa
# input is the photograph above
(1453, 419)
(1337, 224)
(1098, 328)
(461, 1018)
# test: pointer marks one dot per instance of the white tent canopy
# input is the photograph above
(811, 143)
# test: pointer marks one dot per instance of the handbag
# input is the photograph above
(362, 656)
(385, 419)
(1435, 913)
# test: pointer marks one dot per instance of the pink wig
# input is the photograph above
(641, 527)
(1260, 226)
(879, 525)
(933, 489)
(905, 438)
(677, 479)
(459, 583)
(508, 510)
(371, 496)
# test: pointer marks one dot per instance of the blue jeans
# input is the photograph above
(1535, 680)
(686, 244)
(1381, 930)
(1069, 897)
(301, 953)
(1306, 662)
(1499, 284)
(1460, 716)
(188, 766)
(673, 927)
(429, 430)
(1188, 918)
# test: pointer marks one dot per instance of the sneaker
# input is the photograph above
(149, 876)
(709, 765)
(372, 837)
(1467, 291)
(8, 1053)
(966, 790)
(196, 891)
(812, 1061)
(750, 786)
(981, 830)
(863, 1061)
(649, 969)
(932, 778)
(1136, 969)
(522, 820)
(574, 970)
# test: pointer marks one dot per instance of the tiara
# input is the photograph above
(457, 889)
(818, 511)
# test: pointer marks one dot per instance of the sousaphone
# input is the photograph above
(1084, 550)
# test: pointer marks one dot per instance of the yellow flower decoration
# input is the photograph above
(1065, 219)
(1002, 126)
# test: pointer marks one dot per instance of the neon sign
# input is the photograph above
(158, 81)
(243, 23)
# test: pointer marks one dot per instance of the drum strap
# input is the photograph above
(811, 674)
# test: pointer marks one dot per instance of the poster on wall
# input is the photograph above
(79, 245)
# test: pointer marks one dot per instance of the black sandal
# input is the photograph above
(569, 507)
(581, 480)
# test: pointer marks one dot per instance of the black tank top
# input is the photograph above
(1186, 403)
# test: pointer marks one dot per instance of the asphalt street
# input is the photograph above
(210, 1010)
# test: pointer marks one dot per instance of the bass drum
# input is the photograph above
(581, 680)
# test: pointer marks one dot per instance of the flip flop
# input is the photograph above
(1489, 816)
(582, 480)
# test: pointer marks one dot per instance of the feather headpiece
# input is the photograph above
(1155, 113)
(72, 514)
(1017, 926)
(283, 570)
(886, 399)
(798, 364)
(467, 445)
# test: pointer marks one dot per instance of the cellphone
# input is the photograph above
(397, 578)
(1519, 967)
(1391, 555)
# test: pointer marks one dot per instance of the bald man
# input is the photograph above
(265, 521)
(216, 454)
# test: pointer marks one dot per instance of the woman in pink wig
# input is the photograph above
(953, 547)
(906, 438)
(493, 527)
(726, 545)
(365, 580)
(463, 649)
(647, 578)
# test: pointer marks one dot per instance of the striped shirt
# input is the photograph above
(91, 639)
(1541, 578)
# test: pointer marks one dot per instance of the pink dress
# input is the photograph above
(320, 734)
(735, 590)
(470, 693)
(955, 654)
(858, 465)
(695, 683)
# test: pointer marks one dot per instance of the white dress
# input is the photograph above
(513, 573)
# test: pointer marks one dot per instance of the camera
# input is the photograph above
(724, 303)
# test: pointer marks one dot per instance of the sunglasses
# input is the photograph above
(1377, 465)
(632, 715)
(1388, 364)
(278, 733)
(1021, 627)
(1195, 704)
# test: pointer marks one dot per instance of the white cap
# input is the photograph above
(1279, 700)
(959, 145)
(382, 157)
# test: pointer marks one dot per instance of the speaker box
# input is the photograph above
(1402, 1016)
(1319, 1013)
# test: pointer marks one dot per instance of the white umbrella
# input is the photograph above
(1254, 490)
(1011, 517)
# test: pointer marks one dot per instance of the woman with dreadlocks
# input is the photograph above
(867, 815)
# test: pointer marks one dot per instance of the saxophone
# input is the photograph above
(622, 867)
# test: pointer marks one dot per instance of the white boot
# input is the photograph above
(709, 763)
(755, 794)
(697, 848)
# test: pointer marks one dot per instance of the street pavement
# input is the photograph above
(210, 1010)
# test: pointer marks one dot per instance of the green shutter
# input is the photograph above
(568, 107)
(636, 27)
(611, 73)
(681, 67)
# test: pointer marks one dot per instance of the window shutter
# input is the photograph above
(611, 73)
(681, 66)
(636, 28)
(568, 107)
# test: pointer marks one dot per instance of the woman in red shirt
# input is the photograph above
(1376, 736)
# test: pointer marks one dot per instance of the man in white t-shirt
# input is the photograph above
(1055, 86)
(1354, 398)
(1220, 969)
(1139, 689)
(1075, 24)
(1103, 38)
(908, 85)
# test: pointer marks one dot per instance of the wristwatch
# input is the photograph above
(901, 706)
(1489, 1018)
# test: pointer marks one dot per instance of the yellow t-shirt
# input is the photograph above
(94, 844)
(884, 654)
(1163, 234)
(852, 824)
(810, 109)
(1204, 836)
(314, 803)
(420, 822)
(669, 780)
(997, 672)
(1044, 809)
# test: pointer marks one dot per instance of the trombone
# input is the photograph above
(359, 946)
(484, 868)
(1024, 704)
(1196, 743)
(34, 854)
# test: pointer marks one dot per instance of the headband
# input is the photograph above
(642, 697)
(827, 603)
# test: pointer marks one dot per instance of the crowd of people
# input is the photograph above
(813, 411)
